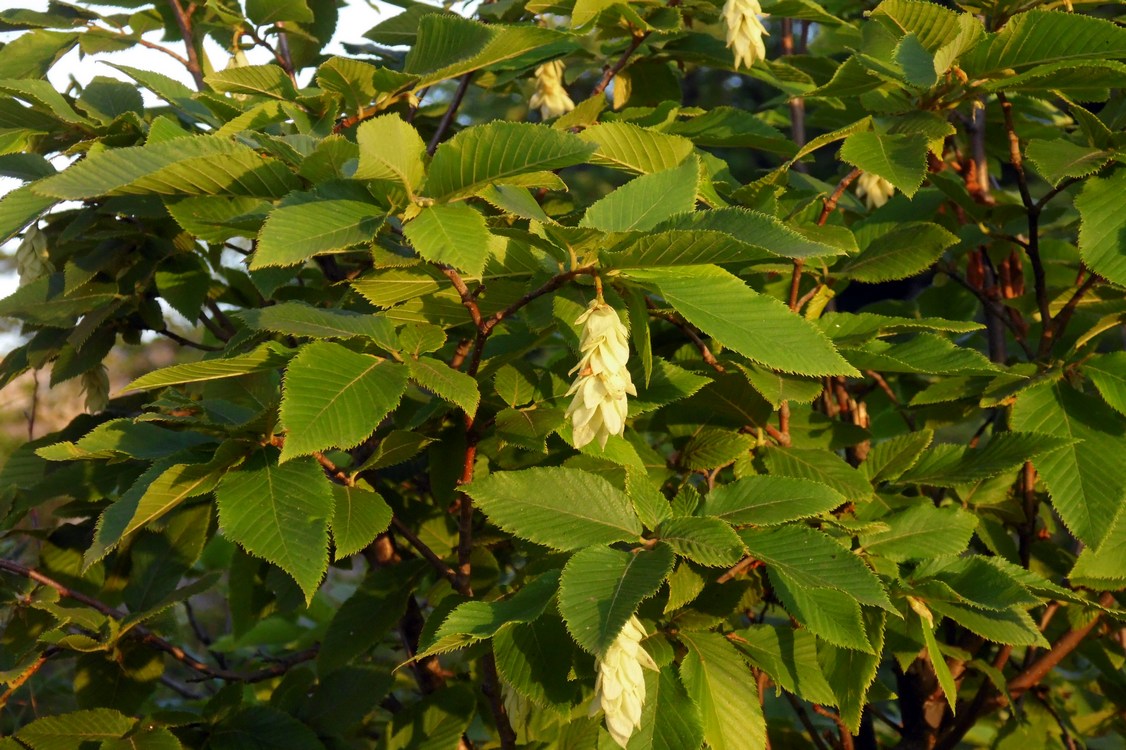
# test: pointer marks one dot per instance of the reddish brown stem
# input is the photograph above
(185, 25)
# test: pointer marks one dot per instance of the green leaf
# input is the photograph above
(269, 356)
(192, 165)
(358, 516)
(813, 560)
(1083, 477)
(1058, 158)
(932, 24)
(497, 153)
(938, 661)
(391, 149)
(833, 616)
(851, 672)
(106, 99)
(124, 437)
(757, 230)
(1039, 37)
(726, 309)
(623, 145)
(436, 722)
(907, 250)
(279, 512)
(448, 46)
(848, 329)
(254, 80)
(1012, 626)
(922, 353)
(154, 494)
(474, 621)
(31, 55)
(529, 428)
(1103, 226)
(335, 397)
(645, 201)
(707, 541)
(779, 387)
(950, 464)
(789, 656)
(711, 448)
(899, 158)
(1106, 565)
(719, 682)
(921, 532)
(917, 63)
(453, 235)
(20, 207)
(565, 509)
(72, 730)
(670, 719)
(888, 459)
(261, 727)
(821, 466)
(444, 381)
(535, 658)
(300, 319)
(1108, 373)
(263, 12)
(398, 446)
(601, 588)
(769, 500)
(293, 234)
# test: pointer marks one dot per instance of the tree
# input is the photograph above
(771, 402)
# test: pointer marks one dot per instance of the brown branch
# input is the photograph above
(1063, 317)
(185, 25)
(26, 675)
(990, 304)
(1060, 650)
(842, 728)
(613, 70)
(451, 112)
(147, 637)
(137, 39)
(423, 549)
(835, 196)
(491, 687)
(468, 298)
(747, 563)
(1033, 210)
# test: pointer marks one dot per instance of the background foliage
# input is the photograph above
(871, 488)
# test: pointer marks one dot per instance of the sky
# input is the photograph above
(355, 18)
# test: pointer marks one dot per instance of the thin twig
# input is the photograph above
(992, 304)
(690, 332)
(468, 298)
(451, 112)
(1063, 317)
(835, 196)
(1032, 209)
(188, 342)
(907, 416)
(842, 728)
(803, 717)
(613, 70)
(185, 25)
(26, 675)
(423, 549)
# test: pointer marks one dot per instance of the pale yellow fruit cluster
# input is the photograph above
(551, 98)
(598, 409)
(95, 384)
(31, 256)
(620, 689)
(745, 31)
(874, 190)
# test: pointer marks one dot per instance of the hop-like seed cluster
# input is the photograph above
(598, 409)
(874, 190)
(745, 31)
(95, 384)
(620, 688)
(31, 256)
(551, 98)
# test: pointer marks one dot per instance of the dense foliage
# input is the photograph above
(859, 302)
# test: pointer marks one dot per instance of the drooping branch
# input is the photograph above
(148, 638)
